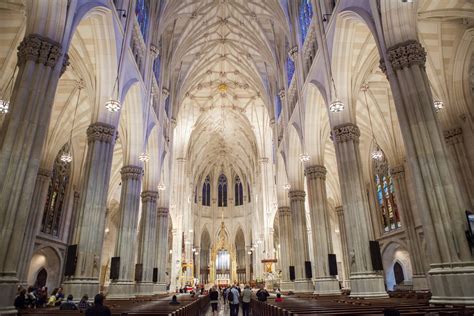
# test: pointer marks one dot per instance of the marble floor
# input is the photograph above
(223, 310)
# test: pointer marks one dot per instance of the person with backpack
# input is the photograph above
(262, 295)
(233, 298)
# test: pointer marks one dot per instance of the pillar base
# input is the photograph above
(420, 282)
(304, 286)
(121, 289)
(78, 287)
(144, 288)
(451, 283)
(286, 286)
(326, 286)
(8, 286)
(159, 288)
(369, 285)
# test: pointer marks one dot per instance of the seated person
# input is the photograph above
(20, 300)
(68, 305)
(84, 302)
(279, 298)
(174, 300)
(99, 309)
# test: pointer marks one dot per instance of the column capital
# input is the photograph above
(315, 172)
(383, 66)
(40, 50)
(45, 173)
(293, 52)
(297, 195)
(345, 132)
(149, 196)
(66, 63)
(406, 54)
(263, 160)
(339, 210)
(163, 212)
(131, 172)
(154, 51)
(181, 160)
(281, 93)
(101, 132)
(453, 136)
(284, 210)
(397, 171)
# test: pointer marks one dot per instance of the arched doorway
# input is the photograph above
(398, 272)
(41, 278)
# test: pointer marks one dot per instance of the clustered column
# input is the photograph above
(364, 281)
(147, 246)
(89, 231)
(345, 249)
(300, 241)
(286, 247)
(162, 247)
(408, 221)
(321, 230)
(22, 138)
(127, 233)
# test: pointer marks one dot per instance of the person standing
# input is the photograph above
(214, 299)
(246, 296)
(233, 298)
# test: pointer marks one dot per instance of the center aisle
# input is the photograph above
(223, 309)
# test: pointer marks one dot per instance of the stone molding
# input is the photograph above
(453, 136)
(39, 49)
(397, 171)
(345, 132)
(163, 212)
(149, 196)
(44, 173)
(66, 63)
(263, 160)
(101, 132)
(131, 172)
(284, 211)
(281, 94)
(154, 51)
(407, 54)
(315, 172)
(339, 210)
(383, 66)
(165, 92)
(293, 52)
(297, 195)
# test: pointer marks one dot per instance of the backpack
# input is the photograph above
(230, 297)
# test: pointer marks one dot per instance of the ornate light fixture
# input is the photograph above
(304, 158)
(336, 105)
(144, 157)
(66, 156)
(377, 153)
(7, 94)
(287, 186)
(438, 105)
(249, 252)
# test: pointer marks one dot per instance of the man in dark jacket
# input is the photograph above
(69, 304)
(98, 309)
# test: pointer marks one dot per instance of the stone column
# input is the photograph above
(75, 213)
(460, 161)
(147, 247)
(345, 248)
(286, 247)
(300, 241)
(324, 283)
(247, 264)
(442, 213)
(89, 230)
(408, 222)
(22, 137)
(38, 202)
(162, 248)
(124, 286)
(364, 281)
(197, 264)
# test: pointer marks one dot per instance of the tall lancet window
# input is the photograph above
(386, 195)
(305, 16)
(157, 68)
(53, 208)
(142, 10)
(206, 192)
(290, 69)
(248, 191)
(222, 191)
(238, 194)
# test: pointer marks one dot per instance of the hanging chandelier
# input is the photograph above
(287, 186)
(304, 158)
(144, 157)
(377, 153)
(438, 105)
(67, 156)
(6, 96)
(161, 186)
(336, 106)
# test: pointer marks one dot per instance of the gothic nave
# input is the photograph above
(315, 146)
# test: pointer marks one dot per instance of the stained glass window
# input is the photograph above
(238, 194)
(305, 16)
(386, 195)
(290, 69)
(206, 192)
(142, 9)
(222, 191)
(167, 106)
(156, 69)
(277, 107)
(53, 208)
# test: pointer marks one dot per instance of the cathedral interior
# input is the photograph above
(311, 146)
